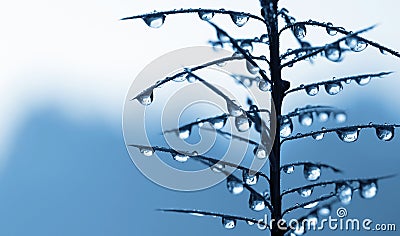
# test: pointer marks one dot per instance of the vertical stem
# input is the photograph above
(270, 11)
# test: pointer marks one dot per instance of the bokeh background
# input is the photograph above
(66, 67)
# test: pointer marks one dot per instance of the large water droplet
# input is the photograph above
(146, 97)
(265, 86)
(206, 15)
(363, 80)
(249, 179)
(251, 68)
(306, 119)
(324, 211)
(256, 203)
(311, 172)
(305, 192)
(233, 108)
(351, 41)
(312, 90)
(190, 78)
(344, 193)
(368, 189)
(184, 132)
(360, 46)
(146, 151)
(300, 31)
(218, 123)
(179, 157)
(242, 123)
(333, 52)
(331, 32)
(333, 88)
(228, 223)
(385, 133)
(311, 205)
(288, 169)
(286, 127)
(323, 116)
(154, 21)
(260, 152)
(234, 186)
(348, 135)
(239, 19)
(340, 117)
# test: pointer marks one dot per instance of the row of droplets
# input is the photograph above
(157, 20)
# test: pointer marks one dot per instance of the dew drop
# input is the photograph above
(347, 81)
(184, 132)
(247, 46)
(154, 21)
(286, 127)
(300, 31)
(333, 88)
(323, 116)
(234, 186)
(180, 157)
(146, 97)
(311, 205)
(324, 211)
(311, 172)
(260, 152)
(242, 123)
(264, 86)
(348, 135)
(256, 203)
(251, 68)
(385, 133)
(318, 136)
(146, 151)
(250, 222)
(340, 117)
(249, 179)
(368, 189)
(306, 119)
(266, 195)
(330, 31)
(218, 167)
(305, 192)
(312, 90)
(222, 37)
(206, 15)
(228, 223)
(363, 80)
(233, 108)
(190, 78)
(384, 52)
(333, 52)
(239, 19)
(288, 169)
(264, 38)
(199, 123)
(360, 46)
(218, 123)
(344, 193)
(351, 42)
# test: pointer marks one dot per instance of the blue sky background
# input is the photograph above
(66, 68)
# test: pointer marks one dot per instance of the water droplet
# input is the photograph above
(312, 90)
(348, 135)
(218, 167)
(351, 42)
(179, 78)
(311, 172)
(234, 186)
(324, 211)
(199, 123)
(154, 21)
(344, 193)
(265, 86)
(204, 15)
(239, 19)
(260, 152)
(249, 179)
(266, 195)
(233, 108)
(306, 119)
(333, 52)
(323, 116)
(264, 38)
(250, 222)
(286, 127)
(247, 46)
(383, 51)
(242, 123)
(318, 136)
(146, 97)
(246, 81)
(311, 205)
(385, 133)
(180, 157)
(146, 151)
(288, 169)
(305, 192)
(300, 31)
(190, 78)
(251, 68)
(340, 117)
(222, 37)
(228, 223)
(360, 46)
(331, 32)
(218, 123)
(347, 81)
(256, 203)
(363, 80)
(333, 88)
(368, 189)
(184, 132)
